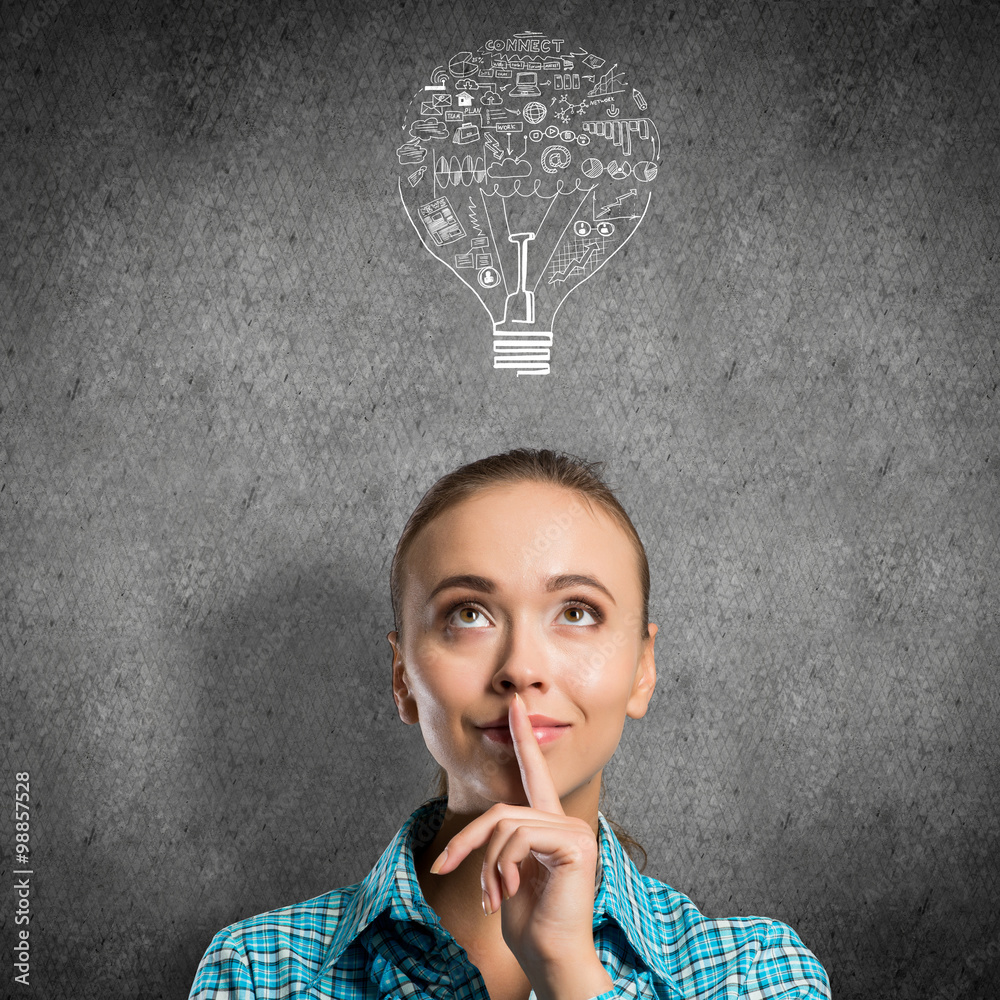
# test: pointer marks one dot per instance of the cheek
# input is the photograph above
(603, 669)
(440, 679)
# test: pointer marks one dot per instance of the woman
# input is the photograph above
(520, 590)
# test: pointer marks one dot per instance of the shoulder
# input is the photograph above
(765, 956)
(273, 954)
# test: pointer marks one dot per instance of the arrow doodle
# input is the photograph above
(574, 264)
(617, 203)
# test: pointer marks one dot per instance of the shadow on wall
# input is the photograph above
(300, 771)
(887, 920)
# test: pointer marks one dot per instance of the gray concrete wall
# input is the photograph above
(229, 370)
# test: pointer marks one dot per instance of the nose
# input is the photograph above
(522, 661)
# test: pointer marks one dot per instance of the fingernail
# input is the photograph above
(487, 903)
(439, 863)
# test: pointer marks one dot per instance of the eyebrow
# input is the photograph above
(578, 580)
(485, 586)
(469, 580)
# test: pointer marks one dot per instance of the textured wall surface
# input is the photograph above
(229, 370)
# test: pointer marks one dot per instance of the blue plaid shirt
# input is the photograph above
(379, 940)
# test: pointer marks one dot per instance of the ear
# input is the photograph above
(645, 678)
(405, 704)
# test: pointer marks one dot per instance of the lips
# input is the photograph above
(545, 728)
(537, 722)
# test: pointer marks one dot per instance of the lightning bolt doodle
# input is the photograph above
(493, 146)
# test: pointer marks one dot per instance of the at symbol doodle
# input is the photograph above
(555, 158)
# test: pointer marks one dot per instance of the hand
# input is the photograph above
(539, 871)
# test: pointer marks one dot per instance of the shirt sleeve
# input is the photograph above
(785, 969)
(640, 985)
(635, 986)
(224, 972)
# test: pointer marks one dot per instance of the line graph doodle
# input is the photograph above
(574, 263)
(617, 203)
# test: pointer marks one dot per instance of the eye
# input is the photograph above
(579, 614)
(467, 616)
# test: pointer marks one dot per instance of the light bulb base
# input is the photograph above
(528, 351)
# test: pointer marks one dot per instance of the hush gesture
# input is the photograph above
(539, 873)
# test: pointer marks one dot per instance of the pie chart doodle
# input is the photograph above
(462, 64)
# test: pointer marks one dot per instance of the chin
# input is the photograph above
(482, 793)
(512, 794)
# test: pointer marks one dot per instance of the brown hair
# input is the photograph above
(518, 466)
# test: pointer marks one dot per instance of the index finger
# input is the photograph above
(535, 774)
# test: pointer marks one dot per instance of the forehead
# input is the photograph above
(523, 533)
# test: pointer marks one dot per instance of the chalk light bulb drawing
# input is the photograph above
(524, 168)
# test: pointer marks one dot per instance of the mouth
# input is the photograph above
(543, 733)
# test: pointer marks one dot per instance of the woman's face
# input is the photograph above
(522, 588)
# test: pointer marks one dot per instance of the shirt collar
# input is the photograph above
(392, 884)
(622, 896)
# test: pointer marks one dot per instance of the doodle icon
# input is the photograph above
(428, 128)
(524, 170)
(466, 132)
(526, 85)
(489, 277)
(555, 158)
(534, 112)
(644, 170)
(439, 218)
(462, 64)
(411, 152)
